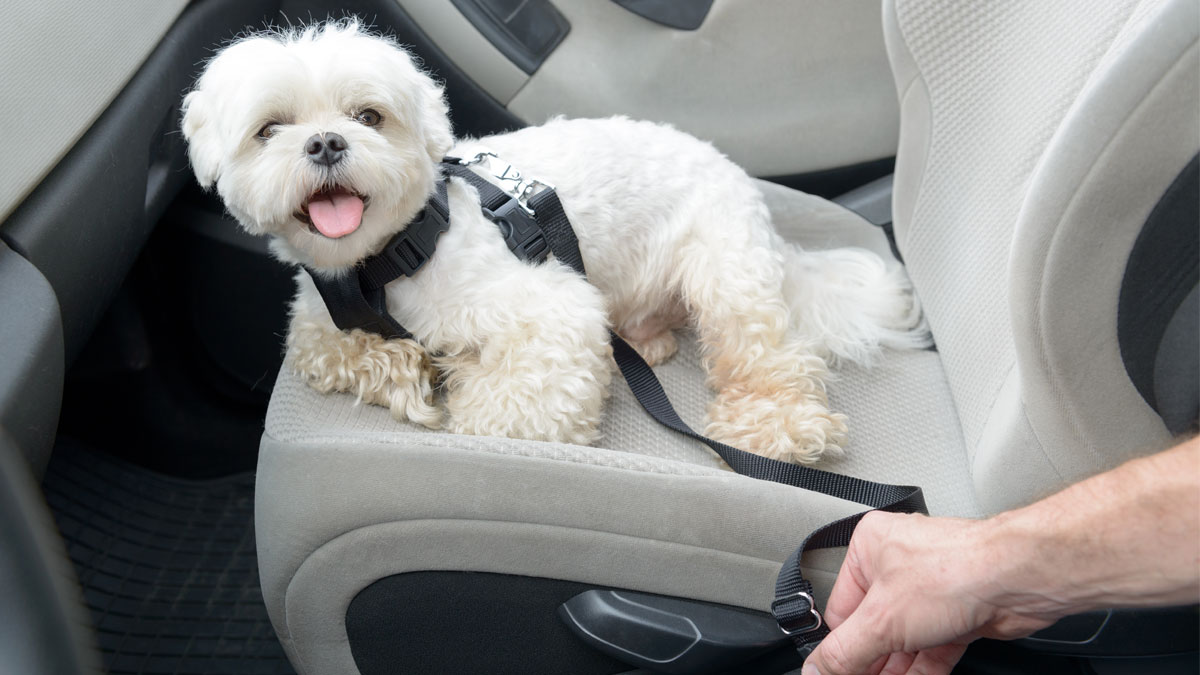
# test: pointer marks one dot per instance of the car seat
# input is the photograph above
(1046, 161)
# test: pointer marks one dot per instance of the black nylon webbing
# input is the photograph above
(411, 249)
(793, 606)
(790, 607)
(490, 196)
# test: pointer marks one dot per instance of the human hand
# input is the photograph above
(913, 591)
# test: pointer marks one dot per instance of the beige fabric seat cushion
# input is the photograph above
(347, 495)
(903, 423)
(1036, 138)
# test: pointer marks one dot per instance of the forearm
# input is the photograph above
(1128, 537)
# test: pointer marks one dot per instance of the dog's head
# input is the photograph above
(326, 137)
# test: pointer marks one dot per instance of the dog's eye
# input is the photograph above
(369, 117)
(267, 131)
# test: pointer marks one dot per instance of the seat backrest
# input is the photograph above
(1036, 139)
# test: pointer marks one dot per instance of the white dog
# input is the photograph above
(329, 140)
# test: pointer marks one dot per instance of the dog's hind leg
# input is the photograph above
(770, 386)
(395, 374)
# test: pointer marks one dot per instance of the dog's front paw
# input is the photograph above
(795, 428)
(565, 410)
(529, 386)
(395, 374)
(657, 348)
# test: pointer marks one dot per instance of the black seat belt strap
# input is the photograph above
(358, 300)
(794, 607)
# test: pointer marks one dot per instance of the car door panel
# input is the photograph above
(54, 89)
(783, 87)
(31, 358)
(87, 219)
(780, 86)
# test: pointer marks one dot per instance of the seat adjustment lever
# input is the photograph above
(670, 635)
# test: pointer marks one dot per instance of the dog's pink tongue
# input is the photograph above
(336, 215)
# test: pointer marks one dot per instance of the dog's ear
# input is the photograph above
(435, 118)
(204, 146)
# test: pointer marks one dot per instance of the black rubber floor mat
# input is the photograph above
(167, 567)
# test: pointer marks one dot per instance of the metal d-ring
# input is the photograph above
(814, 624)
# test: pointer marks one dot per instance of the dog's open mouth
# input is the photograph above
(333, 212)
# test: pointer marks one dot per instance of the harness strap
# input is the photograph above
(357, 300)
(409, 250)
(490, 196)
(794, 607)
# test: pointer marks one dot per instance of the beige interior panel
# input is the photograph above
(63, 63)
(781, 86)
(467, 47)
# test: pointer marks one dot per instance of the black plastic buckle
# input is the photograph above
(804, 617)
(412, 248)
(520, 231)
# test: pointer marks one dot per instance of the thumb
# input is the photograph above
(851, 649)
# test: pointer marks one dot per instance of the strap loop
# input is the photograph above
(800, 605)
(794, 607)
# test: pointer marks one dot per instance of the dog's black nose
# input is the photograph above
(325, 149)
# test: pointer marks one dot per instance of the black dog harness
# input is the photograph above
(532, 221)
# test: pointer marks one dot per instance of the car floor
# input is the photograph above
(167, 566)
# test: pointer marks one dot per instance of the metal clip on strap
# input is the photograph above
(801, 612)
(507, 204)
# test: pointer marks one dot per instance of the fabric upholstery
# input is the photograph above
(997, 101)
(1035, 137)
(347, 495)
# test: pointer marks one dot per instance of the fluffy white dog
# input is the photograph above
(329, 140)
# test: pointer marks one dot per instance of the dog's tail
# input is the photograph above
(848, 303)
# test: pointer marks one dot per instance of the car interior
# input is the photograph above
(173, 499)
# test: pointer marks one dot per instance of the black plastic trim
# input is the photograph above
(1177, 368)
(525, 31)
(1162, 269)
(84, 225)
(468, 622)
(681, 14)
(476, 622)
(830, 183)
(472, 110)
(31, 358)
(1121, 633)
(672, 635)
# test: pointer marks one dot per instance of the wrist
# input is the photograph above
(1026, 559)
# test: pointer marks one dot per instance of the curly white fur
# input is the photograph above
(672, 233)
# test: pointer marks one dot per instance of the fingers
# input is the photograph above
(936, 661)
(854, 578)
(898, 664)
(853, 648)
(848, 591)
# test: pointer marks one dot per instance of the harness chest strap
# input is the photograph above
(356, 299)
(358, 302)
